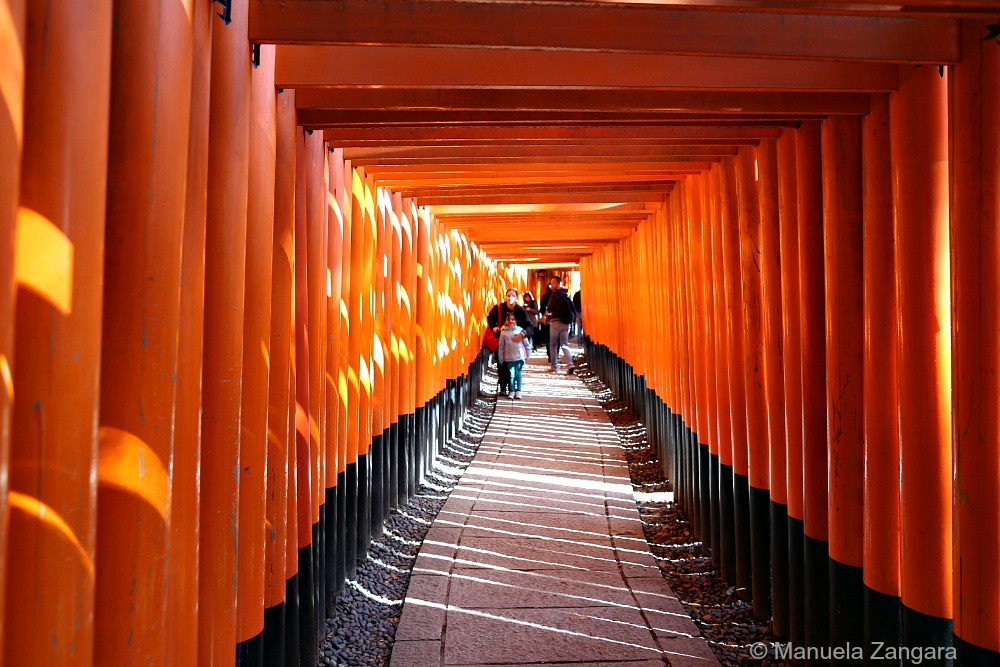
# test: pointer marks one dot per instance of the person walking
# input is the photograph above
(513, 350)
(531, 308)
(560, 315)
(495, 319)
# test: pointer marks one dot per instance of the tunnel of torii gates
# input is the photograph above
(247, 248)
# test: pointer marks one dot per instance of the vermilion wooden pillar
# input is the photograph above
(225, 274)
(881, 437)
(920, 199)
(397, 348)
(713, 294)
(842, 240)
(737, 478)
(367, 404)
(12, 27)
(182, 568)
(280, 404)
(975, 256)
(151, 92)
(379, 445)
(357, 374)
(59, 264)
(754, 376)
(303, 424)
(790, 626)
(347, 436)
(316, 253)
(774, 393)
(812, 337)
(333, 454)
(408, 311)
(723, 513)
(256, 360)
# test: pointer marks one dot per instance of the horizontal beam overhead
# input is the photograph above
(604, 27)
(300, 66)
(541, 198)
(692, 133)
(567, 99)
(375, 117)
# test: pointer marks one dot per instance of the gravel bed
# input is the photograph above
(362, 630)
(726, 622)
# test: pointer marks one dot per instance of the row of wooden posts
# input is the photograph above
(810, 331)
(225, 353)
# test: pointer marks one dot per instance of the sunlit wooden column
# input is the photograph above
(358, 372)
(724, 453)
(59, 265)
(424, 337)
(334, 455)
(408, 337)
(378, 450)
(843, 245)
(975, 257)
(735, 522)
(881, 425)
(347, 434)
(774, 390)
(225, 274)
(923, 357)
(756, 490)
(788, 623)
(280, 406)
(812, 341)
(305, 482)
(256, 358)
(185, 500)
(12, 52)
(397, 483)
(367, 404)
(151, 91)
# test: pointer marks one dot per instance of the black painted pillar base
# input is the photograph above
(364, 504)
(376, 454)
(705, 498)
(847, 606)
(796, 582)
(970, 655)
(419, 438)
(713, 501)
(293, 633)
(760, 550)
(744, 552)
(817, 592)
(883, 625)
(922, 631)
(330, 535)
(727, 525)
(274, 634)
(340, 556)
(393, 459)
(307, 607)
(351, 521)
(319, 577)
(250, 652)
(779, 570)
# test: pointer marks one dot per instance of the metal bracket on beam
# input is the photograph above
(993, 31)
(255, 56)
(227, 11)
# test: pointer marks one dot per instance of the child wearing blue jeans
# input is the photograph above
(512, 352)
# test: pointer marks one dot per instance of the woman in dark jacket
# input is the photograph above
(531, 308)
(495, 319)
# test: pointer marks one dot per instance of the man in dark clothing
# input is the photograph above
(560, 314)
(543, 329)
(495, 320)
(578, 323)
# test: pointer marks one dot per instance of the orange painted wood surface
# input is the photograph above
(150, 102)
(843, 269)
(12, 37)
(881, 424)
(923, 356)
(257, 319)
(225, 274)
(975, 130)
(49, 609)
